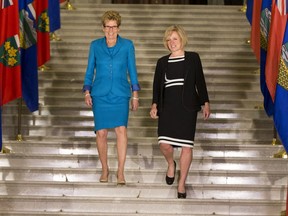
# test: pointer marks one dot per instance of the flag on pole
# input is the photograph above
(10, 71)
(43, 38)
(264, 33)
(28, 44)
(54, 15)
(281, 95)
(253, 15)
(255, 29)
(275, 39)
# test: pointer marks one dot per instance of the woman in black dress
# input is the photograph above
(179, 92)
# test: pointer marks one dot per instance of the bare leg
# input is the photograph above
(167, 151)
(121, 133)
(101, 142)
(185, 162)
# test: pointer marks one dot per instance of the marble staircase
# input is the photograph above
(55, 169)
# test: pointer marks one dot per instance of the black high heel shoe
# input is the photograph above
(182, 195)
(170, 180)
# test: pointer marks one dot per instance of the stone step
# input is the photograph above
(81, 58)
(141, 205)
(88, 147)
(45, 84)
(134, 121)
(40, 213)
(151, 9)
(228, 73)
(143, 162)
(214, 90)
(138, 140)
(140, 190)
(144, 176)
(76, 131)
(213, 94)
(156, 48)
(220, 108)
(208, 62)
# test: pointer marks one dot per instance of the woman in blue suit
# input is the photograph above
(107, 89)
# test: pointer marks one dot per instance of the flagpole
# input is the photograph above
(19, 136)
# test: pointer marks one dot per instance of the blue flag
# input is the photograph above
(54, 15)
(28, 41)
(281, 95)
(249, 11)
(264, 33)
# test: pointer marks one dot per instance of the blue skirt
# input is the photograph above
(110, 111)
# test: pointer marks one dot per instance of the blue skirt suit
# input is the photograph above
(106, 79)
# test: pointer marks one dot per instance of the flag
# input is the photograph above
(28, 44)
(255, 28)
(42, 28)
(281, 95)
(10, 70)
(275, 39)
(264, 33)
(54, 15)
(249, 11)
(253, 14)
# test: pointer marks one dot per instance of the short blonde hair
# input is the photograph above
(111, 15)
(180, 31)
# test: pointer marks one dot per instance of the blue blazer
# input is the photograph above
(108, 70)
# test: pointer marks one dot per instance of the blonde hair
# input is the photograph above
(111, 15)
(179, 30)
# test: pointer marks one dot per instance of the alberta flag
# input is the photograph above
(281, 94)
(264, 34)
(276, 33)
(28, 45)
(54, 15)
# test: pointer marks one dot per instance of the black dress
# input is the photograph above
(176, 125)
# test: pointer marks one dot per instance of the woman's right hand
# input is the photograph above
(153, 111)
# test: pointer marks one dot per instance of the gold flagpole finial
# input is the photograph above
(280, 154)
(54, 37)
(243, 8)
(69, 6)
(43, 68)
(19, 138)
(5, 150)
